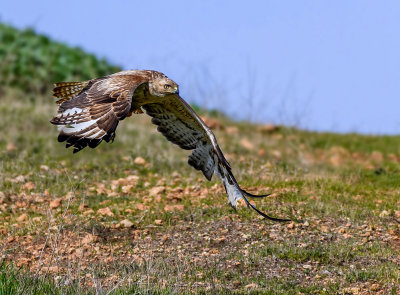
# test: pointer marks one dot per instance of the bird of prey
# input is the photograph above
(89, 112)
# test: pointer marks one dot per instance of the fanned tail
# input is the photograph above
(235, 193)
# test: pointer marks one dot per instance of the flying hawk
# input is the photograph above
(89, 112)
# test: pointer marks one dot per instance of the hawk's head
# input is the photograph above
(161, 86)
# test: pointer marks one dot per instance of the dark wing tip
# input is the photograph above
(62, 137)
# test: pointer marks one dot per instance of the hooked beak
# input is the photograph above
(176, 90)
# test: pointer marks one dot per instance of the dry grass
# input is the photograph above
(105, 220)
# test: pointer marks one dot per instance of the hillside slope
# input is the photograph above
(31, 62)
(133, 215)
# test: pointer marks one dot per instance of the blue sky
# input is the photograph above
(320, 65)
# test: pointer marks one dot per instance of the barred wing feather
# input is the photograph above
(92, 115)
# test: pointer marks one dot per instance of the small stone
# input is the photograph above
(55, 203)
(105, 212)
(171, 208)
(140, 161)
(11, 147)
(366, 234)
(82, 207)
(291, 225)
(54, 269)
(384, 213)
(221, 239)
(261, 152)
(44, 168)
(324, 229)
(88, 239)
(19, 178)
(141, 207)
(176, 175)
(247, 144)
(277, 154)
(214, 251)
(236, 284)
(375, 287)
(307, 266)
(29, 186)
(158, 221)
(88, 212)
(22, 218)
(126, 189)
(70, 195)
(251, 286)
(232, 130)
(376, 156)
(156, 191)
(352, 290)
(126, 223)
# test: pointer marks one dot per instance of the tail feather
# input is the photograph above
(235, 193)
(67, 90)
(232, 189)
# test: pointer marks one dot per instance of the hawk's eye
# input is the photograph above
(166, 86)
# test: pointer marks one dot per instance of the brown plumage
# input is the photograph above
(89, 112)
(67, 90)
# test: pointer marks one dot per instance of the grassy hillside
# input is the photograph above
(132, 216)
(28, 59)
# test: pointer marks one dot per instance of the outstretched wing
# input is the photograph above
(90, 111)
(177, 121)
(179, 124)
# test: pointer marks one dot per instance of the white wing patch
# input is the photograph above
(72, 116)
(73, 128)
(95, 133)
(72, 111)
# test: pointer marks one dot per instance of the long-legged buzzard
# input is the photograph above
(89, 112)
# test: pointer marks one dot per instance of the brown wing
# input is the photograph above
(67, 90)
(94, 113)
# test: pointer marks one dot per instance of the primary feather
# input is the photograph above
(90, 111)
